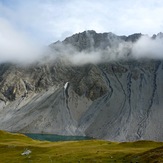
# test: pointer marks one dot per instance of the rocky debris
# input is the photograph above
(26, 152)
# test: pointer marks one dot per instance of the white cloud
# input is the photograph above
(147, 47)
(15, 46)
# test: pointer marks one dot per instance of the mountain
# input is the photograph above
(118, 100)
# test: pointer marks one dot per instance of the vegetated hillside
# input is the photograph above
(13, 147)
(119, 100)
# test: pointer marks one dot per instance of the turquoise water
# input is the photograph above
(53, 138)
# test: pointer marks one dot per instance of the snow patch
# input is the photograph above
(66, 85)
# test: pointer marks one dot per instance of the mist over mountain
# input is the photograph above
(81, 48)
(92, 47)
(94, 84)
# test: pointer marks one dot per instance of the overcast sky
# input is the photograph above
(47, 21)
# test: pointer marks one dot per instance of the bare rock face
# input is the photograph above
(119, 100)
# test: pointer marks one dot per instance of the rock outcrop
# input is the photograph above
(118, 100)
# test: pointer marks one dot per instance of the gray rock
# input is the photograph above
(119, 101)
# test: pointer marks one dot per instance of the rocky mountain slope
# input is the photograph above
(119, 100)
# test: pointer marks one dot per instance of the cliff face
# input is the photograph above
(118, 100)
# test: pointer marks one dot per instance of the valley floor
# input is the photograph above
(12, 147)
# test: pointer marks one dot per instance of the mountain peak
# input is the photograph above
(91, 39)
(134, 37)
(159, 35)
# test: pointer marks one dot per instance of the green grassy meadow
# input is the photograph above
(91, 151)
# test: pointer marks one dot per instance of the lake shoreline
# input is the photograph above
(55, 138)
